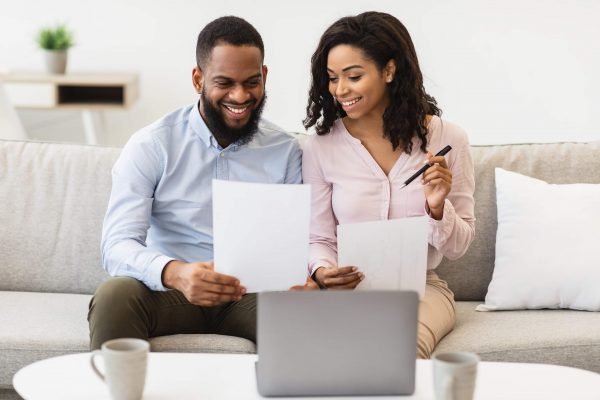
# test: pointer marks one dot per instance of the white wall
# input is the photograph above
(510, 71)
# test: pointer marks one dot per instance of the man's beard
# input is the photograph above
(213, 117)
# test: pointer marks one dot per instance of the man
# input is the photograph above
(157, 232)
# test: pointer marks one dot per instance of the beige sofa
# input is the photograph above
(563, 337)
(53, 199)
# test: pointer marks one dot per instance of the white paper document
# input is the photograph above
(392, 254)
(261, 233)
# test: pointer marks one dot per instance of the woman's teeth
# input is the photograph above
(350, 102)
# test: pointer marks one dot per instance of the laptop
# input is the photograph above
(336, 343)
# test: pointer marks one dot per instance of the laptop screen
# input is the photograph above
(336, 343)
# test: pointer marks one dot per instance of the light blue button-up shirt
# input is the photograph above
(160, 207)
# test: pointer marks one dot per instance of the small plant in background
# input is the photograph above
(55, 42)
(55, 38)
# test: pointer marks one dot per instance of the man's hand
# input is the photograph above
(338, 277)
(200, 284)
(310, 284)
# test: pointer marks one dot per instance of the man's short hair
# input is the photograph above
(230, 30)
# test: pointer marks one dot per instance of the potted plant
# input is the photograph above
(55, 41)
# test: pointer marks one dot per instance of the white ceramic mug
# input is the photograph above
(454, 375)
(124, 367)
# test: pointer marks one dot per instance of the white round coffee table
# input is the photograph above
(232, 376)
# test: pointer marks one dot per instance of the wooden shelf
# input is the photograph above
(90, 93)
(70, 91)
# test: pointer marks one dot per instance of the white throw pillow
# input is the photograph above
(547, 245)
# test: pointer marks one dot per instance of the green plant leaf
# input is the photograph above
(55, 38)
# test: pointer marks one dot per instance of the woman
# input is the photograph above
(376, 126)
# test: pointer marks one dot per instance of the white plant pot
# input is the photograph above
(56, 61)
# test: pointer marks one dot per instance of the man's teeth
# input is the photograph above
(236, 110)
(350, 102)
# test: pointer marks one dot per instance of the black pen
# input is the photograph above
(442, 152)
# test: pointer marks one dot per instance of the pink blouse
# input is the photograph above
(348, 186)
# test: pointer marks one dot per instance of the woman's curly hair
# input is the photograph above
(381, 37)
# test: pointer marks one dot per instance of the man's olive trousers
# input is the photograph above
(125, 307)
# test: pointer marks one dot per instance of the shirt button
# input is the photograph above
(222, 155)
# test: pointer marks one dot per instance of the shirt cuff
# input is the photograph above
(316, 264)
(439, 231)
(153, 275)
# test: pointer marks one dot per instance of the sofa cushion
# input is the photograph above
(470, 275)
(546, 245)
(9, 394)
(562, 337)
(34, 326)
(205, 343)
(57, 196)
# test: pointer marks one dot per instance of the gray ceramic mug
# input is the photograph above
(454, 375)
(125, 363)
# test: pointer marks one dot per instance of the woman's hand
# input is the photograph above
(338, 277)
(437, 182)
(310, 284)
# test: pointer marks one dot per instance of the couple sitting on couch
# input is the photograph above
(375, 127)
